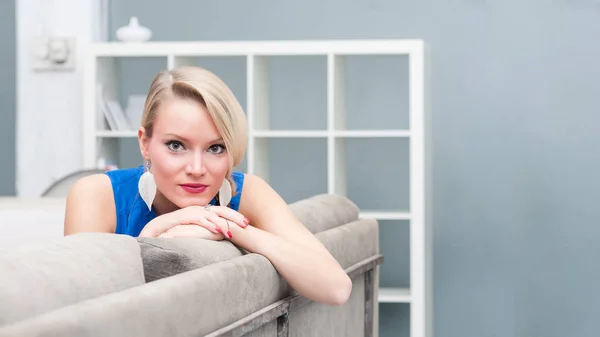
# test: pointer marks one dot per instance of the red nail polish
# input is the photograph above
(218, 229)
(246, 221)
(229, 234)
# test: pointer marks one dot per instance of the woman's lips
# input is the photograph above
(194, 188)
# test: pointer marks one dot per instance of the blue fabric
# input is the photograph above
(132, 212)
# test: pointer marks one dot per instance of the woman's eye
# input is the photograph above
(217, 149)
(174, 145)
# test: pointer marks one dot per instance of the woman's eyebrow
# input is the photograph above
(175, 136)
(220, 139)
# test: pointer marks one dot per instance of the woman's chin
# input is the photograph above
(190, 201)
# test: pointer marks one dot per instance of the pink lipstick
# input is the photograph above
(194, 188)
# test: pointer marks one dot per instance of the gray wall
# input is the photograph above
(8, 83)
(515, 124)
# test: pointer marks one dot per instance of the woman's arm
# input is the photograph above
(90, 206)
(296, 253)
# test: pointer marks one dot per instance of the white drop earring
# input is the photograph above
(147, 186)
(225, 193)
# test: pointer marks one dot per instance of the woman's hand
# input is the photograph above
(191, 231)
(214, 219)
(224, 218)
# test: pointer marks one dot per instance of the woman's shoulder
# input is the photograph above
(90, 183)
(256, 194)
(89, 203)
(246, 178)
(114, 182)
(250, 184)
(245, 181)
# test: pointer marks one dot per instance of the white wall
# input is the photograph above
(48, 140)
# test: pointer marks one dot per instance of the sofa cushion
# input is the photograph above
(43, 277)
(325, 211)
(163, 257)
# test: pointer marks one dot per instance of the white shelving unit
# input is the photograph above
(99, 140)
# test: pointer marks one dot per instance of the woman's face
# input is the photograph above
(188, 157)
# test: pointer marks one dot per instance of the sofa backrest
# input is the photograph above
(47, 276)
(216, 297)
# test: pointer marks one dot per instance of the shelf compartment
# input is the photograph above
(231, 69)
(394, 243)
(120, 78)
(295, 177)
(371, 92)
(122, 152)
(288, 92)
(373, 187)
(395, 320)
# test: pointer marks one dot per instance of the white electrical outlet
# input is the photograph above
(52, 53)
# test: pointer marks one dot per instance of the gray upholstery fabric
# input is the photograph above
(325, 211)
(347, 320)
(353, 242)
(166, 257)
(200, 301)
(189, 304)
(267, 330)
(67, 270)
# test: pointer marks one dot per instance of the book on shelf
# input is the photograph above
(112, 112)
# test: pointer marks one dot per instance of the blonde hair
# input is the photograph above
(203, 86)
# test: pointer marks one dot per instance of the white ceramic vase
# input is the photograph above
(134, 32)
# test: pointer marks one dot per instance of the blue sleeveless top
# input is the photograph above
(132, 212)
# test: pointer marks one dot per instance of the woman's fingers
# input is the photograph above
(231, 215)
(207, 223)
(213, 219)
(229, 235)
(172, 232)
(216, 219)
(220, 223)
(177, 231)
(190, 231)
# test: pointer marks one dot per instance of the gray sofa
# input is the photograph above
(94, 284)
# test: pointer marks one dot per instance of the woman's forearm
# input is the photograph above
(314, 276)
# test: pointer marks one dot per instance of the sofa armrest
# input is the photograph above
(325, 211)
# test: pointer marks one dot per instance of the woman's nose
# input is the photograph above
(196, 165)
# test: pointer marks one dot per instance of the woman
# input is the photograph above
(193, 133)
